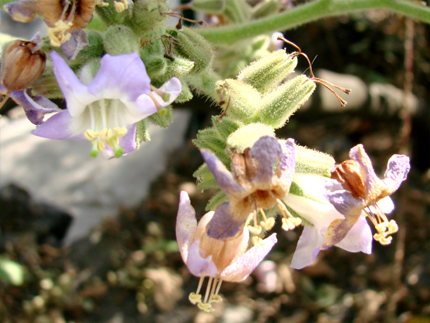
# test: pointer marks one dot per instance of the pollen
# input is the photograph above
(383, 227)
(289, 222)
(121, 5)
(211, 294)
(60, 33)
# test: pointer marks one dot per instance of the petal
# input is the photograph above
(19, 11)
(359, 238)
(287, 164)
(397, 170)
(75, 44)
(199, 266)
(122, 76)
(266, 151)
(371, 181)
(76, 94)
(224, 224)
(35, 108)
(308, 247)
(128, 142)
(222, 176)
(245, 264)
(386, 205)
(57, 127)
(344, 203)
(142, 108)
(186, 225)
(172, 87)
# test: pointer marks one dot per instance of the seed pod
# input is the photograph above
(21, 65)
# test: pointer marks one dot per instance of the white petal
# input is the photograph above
(308, 247)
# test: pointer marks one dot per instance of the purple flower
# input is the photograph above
(356, 188)
(107, 109)
(261, 177)
(318, 214)
(216, 259)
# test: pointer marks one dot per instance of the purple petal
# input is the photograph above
(224, 224)
(35, 108)
(359, 238)
(75, 44)
(186, 225)
(308, 247)
(266, 151)
(76, 94)
(287, 164)
(344, 203)
(122, 76)
(19, 11)
(222, 176)
(245, 264)
(57, 127)
(199, 266)
(397, 171)
(371, 181)
(172, 87)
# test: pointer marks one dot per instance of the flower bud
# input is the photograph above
(119, 39)
(194, 47)
(212, 7)
(21, 65)
(266, 8)
(309, 161)
(246, 136)
(241, 100)
(282, 102)
(267, 72)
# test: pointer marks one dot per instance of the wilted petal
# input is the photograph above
(245, 264)
(225, 224)
(308, 247)
(172, 88)
(397, 171)
(287, 164)
(19, 11)
(359, 238)
(35, 108)
(75, 44)
(186, 225)
(197, 265)
(266, 151)
(371, 181)
(222, 176)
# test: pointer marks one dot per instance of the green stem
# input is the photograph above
(310, 12)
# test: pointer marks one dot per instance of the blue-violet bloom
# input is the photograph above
(106, 110)
(219, 260)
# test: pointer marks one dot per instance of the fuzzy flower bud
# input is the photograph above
(22, 65)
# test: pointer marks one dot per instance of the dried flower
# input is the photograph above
(219, 260)
(252, 184)
(357, 188)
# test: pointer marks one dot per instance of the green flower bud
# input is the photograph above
(119, 39)
(156, 66)
(179, 67)
(237, 11)
(266, 8)
(309, 161)
(212, 7)
(186, 94)
(267, 72)
(93, 49)
(208, 138)
(108, 13)
(89, 70)
(194, 47)
(147, 15)
(246, 136)
(282, 102)
(241, 100)
(226, 126)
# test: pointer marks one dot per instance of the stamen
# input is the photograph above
(257, 241)
(383, 227)
(121, 5)
(267, 224)
(101, 3)
(208, 289)
(60, 33)
(289, 222)
(206, 307)
(195, 298)
(154, 99)
(256, 229)
(215, 298)
(164, 96)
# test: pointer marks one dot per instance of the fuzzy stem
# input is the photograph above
(310, 12)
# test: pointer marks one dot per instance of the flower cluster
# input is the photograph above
(261, 178)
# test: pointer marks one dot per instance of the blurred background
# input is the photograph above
(83, 247)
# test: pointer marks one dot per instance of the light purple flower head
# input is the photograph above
(318, 214)
(218, 260)
(107, 109)
(356, 188)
